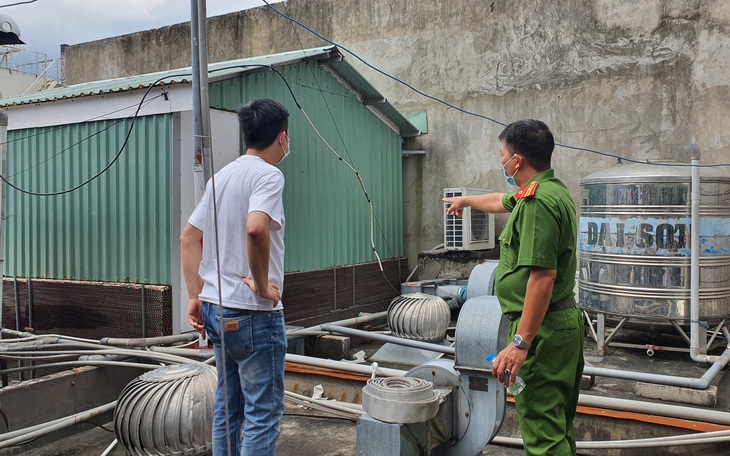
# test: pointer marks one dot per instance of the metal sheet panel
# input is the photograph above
(328, 216)
(116, 228)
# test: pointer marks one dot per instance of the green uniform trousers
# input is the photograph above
(552, 374)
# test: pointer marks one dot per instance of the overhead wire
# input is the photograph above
(344, 145)
(86, 138)
(18, 3)
(111, 163)
(466, 111)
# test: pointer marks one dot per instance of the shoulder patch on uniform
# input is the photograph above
(526, 191)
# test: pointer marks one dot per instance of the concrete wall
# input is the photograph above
(639, 79)
(13, 83)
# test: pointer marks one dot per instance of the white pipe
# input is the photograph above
(345, 366)
(694, 296)
(98, 410)
(392, 339)
(109, 448)
(148, 341)
(655, 408)
(47, 428)
(655, 442)
(334, 405)
(363, 318)
(675, 411)
(684, 382)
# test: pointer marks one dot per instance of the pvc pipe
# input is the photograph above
(334, 405)
(655, 408)
(96, 410)
(363, 318)
(345, 366)
(392, 339)
(146, 354)
(694, 296)
(146, 342)
(684, 382)
(687, 439)
(675, 411)
(80, 363)
(59, 424)
(109, 448)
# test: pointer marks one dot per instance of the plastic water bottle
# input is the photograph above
(514, 388)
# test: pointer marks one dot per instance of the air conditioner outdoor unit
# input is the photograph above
(474, 230)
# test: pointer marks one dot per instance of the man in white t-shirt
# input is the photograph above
(233, 261)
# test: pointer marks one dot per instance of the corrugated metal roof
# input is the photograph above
(330, 58)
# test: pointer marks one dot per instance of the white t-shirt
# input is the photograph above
(248, 184)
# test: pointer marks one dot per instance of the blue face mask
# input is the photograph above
(510, 179)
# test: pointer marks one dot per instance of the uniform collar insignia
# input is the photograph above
(526, 191)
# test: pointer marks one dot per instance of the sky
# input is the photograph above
(46, 24)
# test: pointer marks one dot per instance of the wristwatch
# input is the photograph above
(519, 342)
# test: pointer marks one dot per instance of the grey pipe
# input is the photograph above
(97, 410)
(363, 318)
(58, 424)
(655, 408)
(695, 383)
(391, 339)
(668, 410)
(148, 341)
(345, 366)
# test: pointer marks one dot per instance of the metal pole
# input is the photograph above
(3, 154)
(201, 109)
(3, 149)
(144, 311)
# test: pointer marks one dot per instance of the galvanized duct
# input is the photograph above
(167, 411)
(419, 316)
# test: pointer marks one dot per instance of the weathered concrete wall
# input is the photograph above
(639, 79)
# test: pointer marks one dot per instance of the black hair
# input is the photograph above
(532, 139)
(261, 121)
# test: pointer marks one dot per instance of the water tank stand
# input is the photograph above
(598, 332)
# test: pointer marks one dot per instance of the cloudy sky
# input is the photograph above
(46, 24)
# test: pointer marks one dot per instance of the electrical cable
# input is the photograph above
(61, 127)
(465, 111)
(111, 163)
(18, 3)
(347, 152)
(76, 143)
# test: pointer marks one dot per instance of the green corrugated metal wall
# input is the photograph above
(117, 228)
(328, 218)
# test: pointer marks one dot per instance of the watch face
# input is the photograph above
(518, 341)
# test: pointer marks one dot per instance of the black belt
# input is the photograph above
(554, 307)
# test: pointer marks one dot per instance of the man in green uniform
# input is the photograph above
(534, 284)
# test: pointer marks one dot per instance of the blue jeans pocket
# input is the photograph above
(238, 333)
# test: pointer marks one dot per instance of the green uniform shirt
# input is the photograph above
(541, 231)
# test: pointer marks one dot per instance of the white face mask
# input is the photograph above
(287, 151)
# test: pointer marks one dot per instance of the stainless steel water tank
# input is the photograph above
(635, 242)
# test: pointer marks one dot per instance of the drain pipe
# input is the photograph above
(392, 339)
(363, 318)
(694, 298)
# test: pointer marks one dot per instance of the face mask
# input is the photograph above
(510, 179)
(287, 151)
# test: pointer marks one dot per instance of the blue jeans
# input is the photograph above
(253, 383)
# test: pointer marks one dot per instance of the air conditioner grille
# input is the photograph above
(474, 230)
